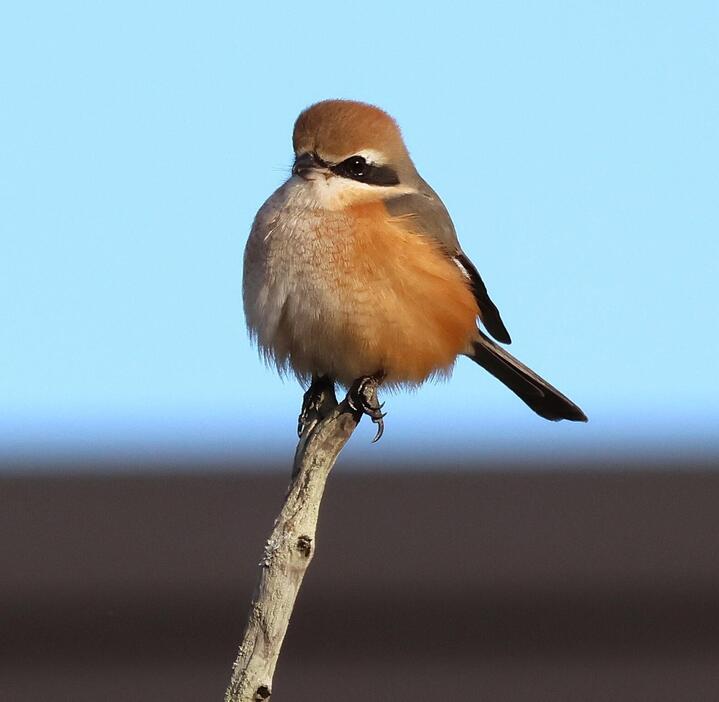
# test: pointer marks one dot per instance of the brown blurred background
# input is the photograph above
(600, 583)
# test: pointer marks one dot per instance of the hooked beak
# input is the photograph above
(307, 163)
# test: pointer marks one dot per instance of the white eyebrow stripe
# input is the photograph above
(372, 156)
(376, 158)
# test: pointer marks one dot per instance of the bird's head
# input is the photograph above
(350, 153)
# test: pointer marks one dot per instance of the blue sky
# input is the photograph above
(575, 144)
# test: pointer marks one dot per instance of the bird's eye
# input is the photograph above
(356, 166)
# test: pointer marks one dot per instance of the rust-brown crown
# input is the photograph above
(336, 129)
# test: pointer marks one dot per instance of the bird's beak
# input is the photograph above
(307, 163)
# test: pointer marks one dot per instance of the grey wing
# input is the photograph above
(430, 217)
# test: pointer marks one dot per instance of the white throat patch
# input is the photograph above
(332, 192)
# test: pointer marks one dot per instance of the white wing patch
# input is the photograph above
(461, 267)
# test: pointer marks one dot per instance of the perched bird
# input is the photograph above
(353, 272)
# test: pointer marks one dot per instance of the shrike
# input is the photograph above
(353, 273)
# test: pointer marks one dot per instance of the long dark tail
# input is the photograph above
(544, 399)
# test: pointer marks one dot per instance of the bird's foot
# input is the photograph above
(316, 402)
(362, 397)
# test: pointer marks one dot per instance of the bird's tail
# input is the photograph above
(544, 399)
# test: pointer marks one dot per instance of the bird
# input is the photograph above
(353, 273)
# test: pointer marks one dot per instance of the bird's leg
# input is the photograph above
(317, 402)
(362, 397)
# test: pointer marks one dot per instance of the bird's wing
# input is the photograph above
(427, 215)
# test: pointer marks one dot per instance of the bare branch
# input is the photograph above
(288, 552)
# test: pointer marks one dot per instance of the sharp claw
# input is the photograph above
(380, 430)
(363, 398)
(315, 402)
(303, 419)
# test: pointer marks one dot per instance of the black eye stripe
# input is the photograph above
(366, 172)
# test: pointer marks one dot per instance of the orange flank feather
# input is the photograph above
(409, 310)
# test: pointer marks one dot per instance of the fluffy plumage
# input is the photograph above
(349, 275)
(349, 293)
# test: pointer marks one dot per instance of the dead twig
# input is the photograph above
(289, 550)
